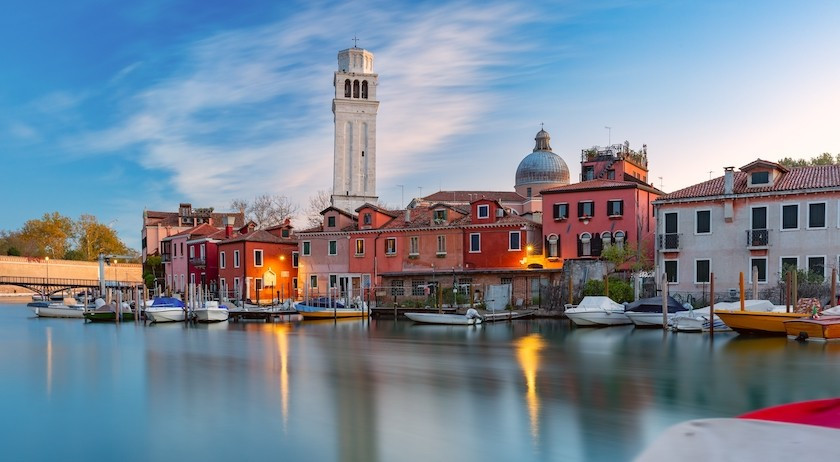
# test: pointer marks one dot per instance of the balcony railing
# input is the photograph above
(198, 261)
(669, 241)
(758, 237)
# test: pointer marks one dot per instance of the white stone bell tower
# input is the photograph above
(354, 110)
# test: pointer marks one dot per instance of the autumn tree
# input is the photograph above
(50, 236)
(93, 238)
(266, 210)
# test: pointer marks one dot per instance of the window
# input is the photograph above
(182, 249)
(192, 251)
(484, 211)
(347, 88)
(761, 265)
(418, 287)
(313, 281)
(258, 284)
(816, 215)
(816, 266)
(332, 248)
(192, 278)
(203, 252)
(475, 242)
(222, 260)
(606, 238)
(441, 245)
(615, 208)
(360, 246)
(671, 223)
(397, 287)
(333, 280)
(788, 264)
(355, 89)
(307, 248)
(364, 89)
(588, 173)
(414, 245)
(391, 246)
(619, 239)
(760, 178)
(586, 209)
(295, 259)
(223, 287)
(790, 216)
(610, 174)
(508, 281)
(514, 238)
(553, 241)
(331, 221)
(703, 222)
(367, 219)
(236, 288)
(528, 192)
(671, 267)
(258, 257)
(561, 211)
(585, 245)
(440, 216)
(702, 271)
(284, 232)
(236, 259)
(294, 283)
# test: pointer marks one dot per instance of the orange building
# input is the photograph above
(259, 266)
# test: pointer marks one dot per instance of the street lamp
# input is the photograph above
(47, 259)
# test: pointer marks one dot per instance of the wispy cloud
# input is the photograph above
(248, 111)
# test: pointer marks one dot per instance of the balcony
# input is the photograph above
(200, 261)
(758, 237)
(669, 242)
(165, 257)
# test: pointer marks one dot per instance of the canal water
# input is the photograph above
(530, 390)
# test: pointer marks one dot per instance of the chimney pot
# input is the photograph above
(728, 180)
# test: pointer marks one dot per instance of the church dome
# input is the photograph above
(541, 169)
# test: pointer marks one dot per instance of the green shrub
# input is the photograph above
(620, 291)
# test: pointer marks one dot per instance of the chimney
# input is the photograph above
(229, 220)
(407, 215)
(728, 180)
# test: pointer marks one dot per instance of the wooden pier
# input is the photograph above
(384, 312)
(264, 315)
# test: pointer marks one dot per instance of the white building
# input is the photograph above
(354, 110)
(765, 216)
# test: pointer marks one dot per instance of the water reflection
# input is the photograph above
(281, 335)
(527, 352)
(49, 361)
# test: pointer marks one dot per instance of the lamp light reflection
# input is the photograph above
(281, 332)
(527, 352)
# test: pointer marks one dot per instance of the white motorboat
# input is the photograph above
(597, 311)
(66, 309)
(165, 309)
(211, 311)
(470, 318)
(647, 312)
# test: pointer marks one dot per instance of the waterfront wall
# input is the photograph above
(65, 269)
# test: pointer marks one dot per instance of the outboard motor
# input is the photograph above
(472, 313)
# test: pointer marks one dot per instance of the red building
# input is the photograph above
(258, 265)
(581, 219)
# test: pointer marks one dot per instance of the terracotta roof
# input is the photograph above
(390, 213)
(258, 236)
(172, 218)
(592, 185)
(797, 178)
(469, 196)
(423, 217)
(200, 230)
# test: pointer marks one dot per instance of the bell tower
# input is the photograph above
(354, 110)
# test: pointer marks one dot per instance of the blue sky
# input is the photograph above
(112, 107)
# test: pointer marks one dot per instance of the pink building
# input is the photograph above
(159, 225)
(174, 254)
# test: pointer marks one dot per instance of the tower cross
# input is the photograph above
(355, 42)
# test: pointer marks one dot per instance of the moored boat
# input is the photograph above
(67, 309)
(820, 330)
(758, 322)
(597, 311)
(165, 309)
(334, 313)
(107, 312)
(211, 311)
(471, 317)
(647, 312)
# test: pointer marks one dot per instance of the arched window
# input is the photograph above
(585, 245)
(355, 89)
(619, 239)
(364, 89)
(553, 240)
(606, 238)
(347, 88)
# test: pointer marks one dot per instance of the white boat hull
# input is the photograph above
(598, 318)
(437, 318)
(165, 314)
(649, 319)
(59, 311)
(211, 314)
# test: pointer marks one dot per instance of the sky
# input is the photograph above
(109, 108)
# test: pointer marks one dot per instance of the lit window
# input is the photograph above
(391, 246)
(360, 246)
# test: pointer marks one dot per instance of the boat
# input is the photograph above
(331, 308)
(697, 320)
(795, 431)
(471, 317)
(165, 309)
(66, 309)
(211, 311)
(647, 312)
(821, 329)
(107, 312)
(332, 313)
(318, 304)
(597, 311)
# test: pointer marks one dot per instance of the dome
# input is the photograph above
(542, 168)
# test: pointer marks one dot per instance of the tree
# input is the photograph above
(266, 210)
(93, 238)
(317, 204)
(825, 158)
(49, 236)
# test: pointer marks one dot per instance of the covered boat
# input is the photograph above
(597, 311)
(647, 312)
(107, 312)
(165, 309)
(471, 317)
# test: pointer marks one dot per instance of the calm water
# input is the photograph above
(377, 391)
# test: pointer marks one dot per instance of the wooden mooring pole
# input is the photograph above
(712, 304)
(664, 301)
